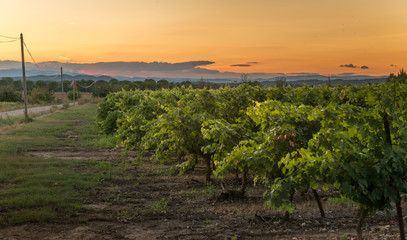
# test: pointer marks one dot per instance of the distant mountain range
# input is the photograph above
(292, 79)
(192, 71)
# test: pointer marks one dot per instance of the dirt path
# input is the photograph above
(150, 204)
(30, 110)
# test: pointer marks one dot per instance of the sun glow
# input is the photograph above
(295, 36)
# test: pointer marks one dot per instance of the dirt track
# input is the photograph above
(30, 110)
(152, 205)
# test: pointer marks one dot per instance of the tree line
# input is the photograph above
(41, 90)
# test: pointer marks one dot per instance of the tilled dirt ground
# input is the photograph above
(150, 204)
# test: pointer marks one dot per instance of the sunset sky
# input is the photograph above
(257, 36)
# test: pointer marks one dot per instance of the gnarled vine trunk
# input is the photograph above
(207, 159)
(362, 216)
(318, 199)
(287, 213)
(400, 221)
(244, 181)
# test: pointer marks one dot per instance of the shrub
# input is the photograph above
(9, 95)
(39, 95)
(70, 95)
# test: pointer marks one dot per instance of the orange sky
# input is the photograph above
(290, 36)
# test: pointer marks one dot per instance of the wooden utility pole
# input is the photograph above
(24, 80)
(76, 92)
(73, 91)
(62, 86)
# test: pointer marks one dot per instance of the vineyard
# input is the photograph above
(349, 140)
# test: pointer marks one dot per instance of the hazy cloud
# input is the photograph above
(304, 74)
(185, 70)
(353, 66)
(348, 66)
(345, 74)
(241, 65)
(248, 64)
(127, 69)
(64, 58)
(7, 64)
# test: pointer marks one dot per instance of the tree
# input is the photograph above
(401, 77)
(6, 82)
(138, 85)
(41, 84)
(30, 85)
(53, 86)
(150, 84)
(281, 82)
(89, 82)
(125, 84)
(244, 77)
(17, 85)
(113, 82)
(162, 84)
(100, 83)
(67, 84)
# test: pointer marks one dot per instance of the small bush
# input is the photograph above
(39, 95)
(9, 95)
(70, 95)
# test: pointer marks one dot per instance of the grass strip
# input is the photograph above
(34, 189)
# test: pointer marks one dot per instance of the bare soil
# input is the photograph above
(150, 204)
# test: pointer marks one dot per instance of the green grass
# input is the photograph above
(37, 190)
(33, 189)
(46, 133)
(9, 106)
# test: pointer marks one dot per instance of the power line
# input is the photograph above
(86, 86)
(10, 37)
(36, 64)
(13, 39)
(8, 41)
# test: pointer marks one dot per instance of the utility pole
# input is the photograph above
(24, 80)
(73, 91)
(76, 92)
(62, 86)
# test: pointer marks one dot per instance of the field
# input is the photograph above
(61, 180)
